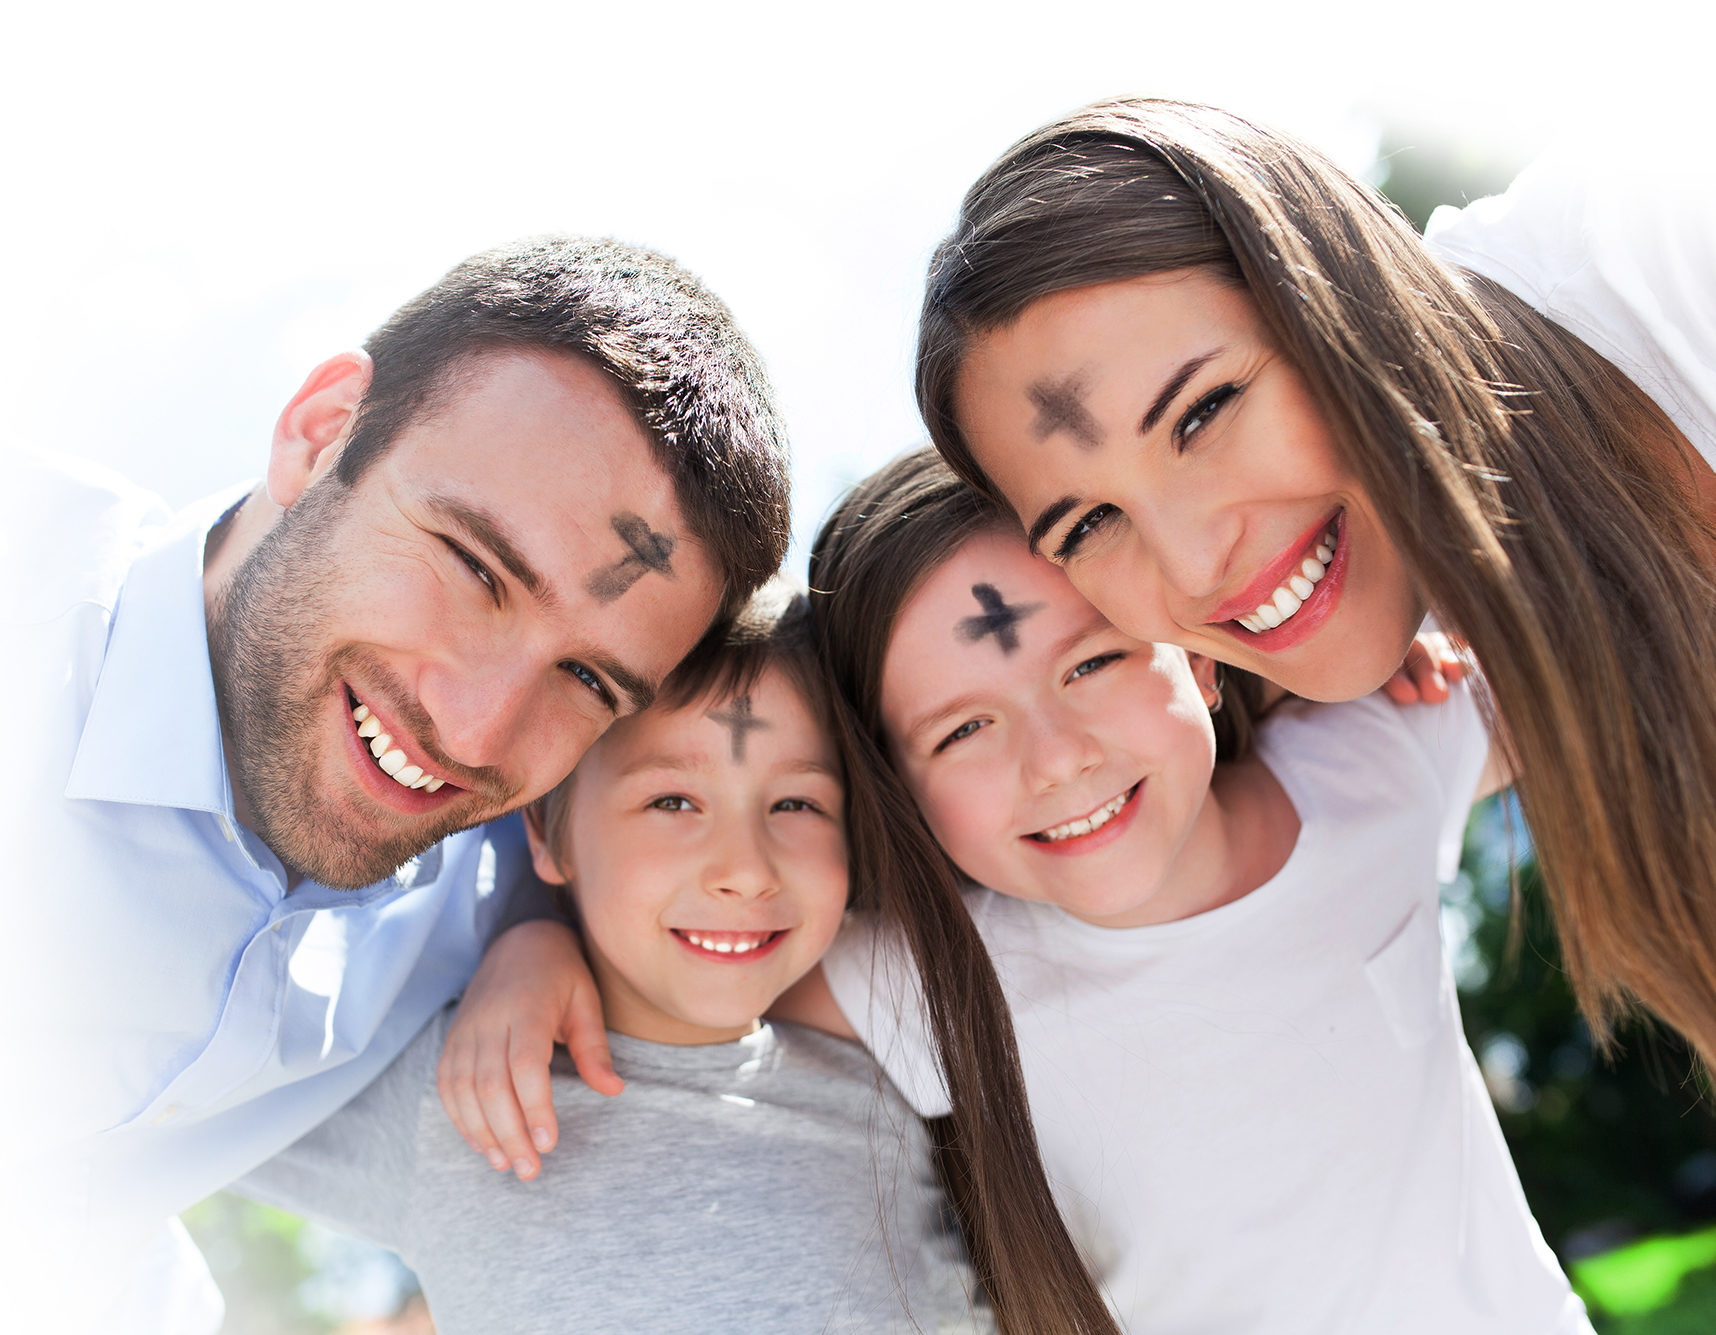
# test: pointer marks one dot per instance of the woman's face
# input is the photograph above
(1160, 449)
(1054, 758)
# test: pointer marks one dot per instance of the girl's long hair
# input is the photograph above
(1547, 505)
(884, 537)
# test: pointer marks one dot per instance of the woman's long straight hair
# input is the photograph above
(879, 544)
(1548, 507)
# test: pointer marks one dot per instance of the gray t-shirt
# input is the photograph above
(778, 1183)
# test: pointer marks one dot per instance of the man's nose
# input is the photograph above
(483, 708)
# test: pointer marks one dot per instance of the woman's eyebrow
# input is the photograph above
(1171, 390)
(1047, 520)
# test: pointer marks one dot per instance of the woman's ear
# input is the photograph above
(314, 424)
(541, 849)
(1207, 673)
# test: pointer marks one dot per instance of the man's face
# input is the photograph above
(441, 642)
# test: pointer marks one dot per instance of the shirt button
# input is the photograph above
(166, 1114)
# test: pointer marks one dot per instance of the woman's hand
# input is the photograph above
(531, 991)
(1431, 663)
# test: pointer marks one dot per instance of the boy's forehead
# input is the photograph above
(764, 721)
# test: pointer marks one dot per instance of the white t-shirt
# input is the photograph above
(1618, 250)
(1265, 1118)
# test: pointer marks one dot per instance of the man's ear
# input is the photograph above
(541, 852)
(315, 424)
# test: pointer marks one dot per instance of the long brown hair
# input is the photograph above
(885, 536)
(1547, 505)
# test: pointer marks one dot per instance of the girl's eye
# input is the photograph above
(1096, 664)
(959, 734)
(795, 804)
(1199, 414)
(1085, 526)
(475, 566)
(672, 802)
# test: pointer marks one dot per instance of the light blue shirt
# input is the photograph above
(176, 1013)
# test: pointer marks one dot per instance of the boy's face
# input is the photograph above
(705, 847)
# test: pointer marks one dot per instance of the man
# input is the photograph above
(257, 742)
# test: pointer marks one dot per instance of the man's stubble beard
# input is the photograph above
(273, 676)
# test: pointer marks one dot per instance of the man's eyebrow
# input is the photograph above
(1171, 390)
(488, 531)
(638, 689)
(1047, 520)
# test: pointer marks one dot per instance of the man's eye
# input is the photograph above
(1096, 664)
(1085, 526)
(1199, 414)
(959, 734)
(672, 802)
(590, 679)
(475, 566)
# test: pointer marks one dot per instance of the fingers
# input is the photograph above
(509, 1079)
(455, 1081)
(586, 1038)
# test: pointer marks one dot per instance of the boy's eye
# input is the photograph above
(959, 734)
(1085, 526)
(795, 804)
(672, 802)
(1199, 414)
(1096, 664)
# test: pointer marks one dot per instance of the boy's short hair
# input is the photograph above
(771, 630)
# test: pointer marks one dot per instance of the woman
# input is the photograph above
(1229, 390)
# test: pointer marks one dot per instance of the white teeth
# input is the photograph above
(727, 947)
(1085, 824)
(390, 758)
(1291, 596)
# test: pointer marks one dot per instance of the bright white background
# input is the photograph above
(204, 201)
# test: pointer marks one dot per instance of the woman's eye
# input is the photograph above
(1085, 526)
(1096, 664)
(1199, 414)
(672, 802)
(959, 734)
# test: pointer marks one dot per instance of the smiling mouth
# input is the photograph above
(1088, 824)
(389, 759)
(728, 944)
(1289, 596)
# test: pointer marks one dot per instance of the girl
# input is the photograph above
(753, 1177)
(1231, 393)
(1241, 1044)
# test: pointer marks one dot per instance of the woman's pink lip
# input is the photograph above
(1275, 574)
(1087, 843)
(1312, 613)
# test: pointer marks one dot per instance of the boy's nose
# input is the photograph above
(740, 868)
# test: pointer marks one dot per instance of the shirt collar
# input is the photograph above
(152, 735)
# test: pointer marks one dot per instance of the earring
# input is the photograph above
(1215, 705)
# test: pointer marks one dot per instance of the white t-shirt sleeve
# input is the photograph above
(1623, 255)
(876, 987)
(1456, 745)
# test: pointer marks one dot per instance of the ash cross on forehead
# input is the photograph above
(998, 618)
(1061, 408)
(740, 721)
(649, 551)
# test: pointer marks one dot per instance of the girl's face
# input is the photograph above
(1159, 448)
(706, 850)
(1054, 758)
